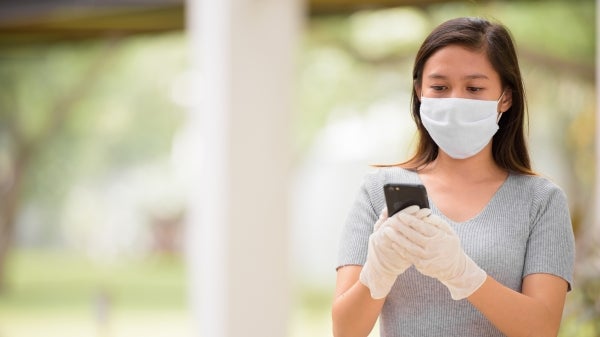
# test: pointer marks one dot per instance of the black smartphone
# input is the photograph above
(400, 196)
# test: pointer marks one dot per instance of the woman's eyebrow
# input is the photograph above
(467, 77)
(436, 76)
(476, 76)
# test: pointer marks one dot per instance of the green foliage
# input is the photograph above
(562, 29)
(81, 110)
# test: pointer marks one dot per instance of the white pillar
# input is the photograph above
(595, 228)
(237, 234)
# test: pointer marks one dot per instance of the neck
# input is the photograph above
(480, 167)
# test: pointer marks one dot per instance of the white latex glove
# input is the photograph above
(435, 250)
(383, 263)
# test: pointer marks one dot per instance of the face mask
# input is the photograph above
(461, 127)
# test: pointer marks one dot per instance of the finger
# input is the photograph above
(384, 213)
(410, 209)
(422, 213)
(383, 257)
(407, 210)
(398, 239)
(410, 253)
(382, 217)
(401, 233)
(438, 222)
(416, 224)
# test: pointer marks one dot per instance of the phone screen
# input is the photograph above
(400, 196)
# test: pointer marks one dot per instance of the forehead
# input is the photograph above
(456, 62)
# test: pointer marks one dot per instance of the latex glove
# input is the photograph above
(435, 250)
(383, 263)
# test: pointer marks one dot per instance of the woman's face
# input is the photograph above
(455, 71)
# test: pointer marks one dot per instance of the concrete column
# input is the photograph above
(596, 219)
(237, 229)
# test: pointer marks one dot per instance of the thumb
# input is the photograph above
(382, 217)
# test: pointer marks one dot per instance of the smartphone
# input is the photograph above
(400, 196)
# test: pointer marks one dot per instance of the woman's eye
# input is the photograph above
(438, 87)
(474, 89)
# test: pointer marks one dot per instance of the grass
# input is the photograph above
(62, 280)
(61, 294)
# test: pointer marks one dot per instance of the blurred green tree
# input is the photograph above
(31, 116)
(72, 109)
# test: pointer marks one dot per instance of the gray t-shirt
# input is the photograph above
(524, 229)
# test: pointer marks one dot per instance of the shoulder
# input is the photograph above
(538, 187)
(544, 196)
(384, 175)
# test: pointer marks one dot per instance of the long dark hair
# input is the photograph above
(509, 147)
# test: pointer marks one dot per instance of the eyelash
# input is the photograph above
(442, 87)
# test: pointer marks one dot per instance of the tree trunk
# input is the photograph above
(25, 150)
(9, 207)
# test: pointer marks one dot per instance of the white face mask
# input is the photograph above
(461, 127)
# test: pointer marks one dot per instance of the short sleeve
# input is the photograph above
(357, 229)
(551, 244)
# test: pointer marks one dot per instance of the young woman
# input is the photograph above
(494, 254)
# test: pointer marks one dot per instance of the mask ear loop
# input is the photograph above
(499, 112)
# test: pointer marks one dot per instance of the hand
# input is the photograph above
(383, 264)
(435, 250)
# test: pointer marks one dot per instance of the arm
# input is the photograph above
(435, 250)
(361, 290)
(354, 311)
(535, 312)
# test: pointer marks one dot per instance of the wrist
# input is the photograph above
(468, 282)
(379, 282)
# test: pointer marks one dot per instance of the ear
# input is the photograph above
(506, 101)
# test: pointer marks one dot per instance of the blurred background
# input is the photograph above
(93, 98)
